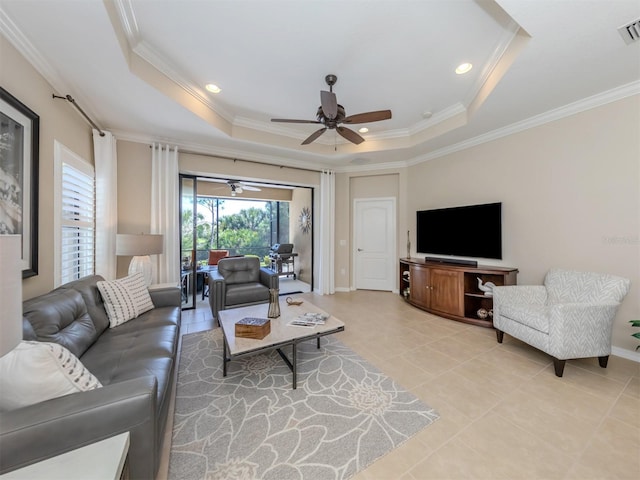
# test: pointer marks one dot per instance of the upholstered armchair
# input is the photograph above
(570, 316)
(214, 257)
(239, 282)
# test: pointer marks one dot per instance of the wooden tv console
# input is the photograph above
(450, 290)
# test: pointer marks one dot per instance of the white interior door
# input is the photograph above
(375, 243)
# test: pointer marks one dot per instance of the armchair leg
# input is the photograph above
(603, 361)
(499, 335)
(558, 365)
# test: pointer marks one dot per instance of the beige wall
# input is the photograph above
(570, 192)
(58, 121)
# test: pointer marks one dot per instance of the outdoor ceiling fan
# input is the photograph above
(331, 114)
(238, 187)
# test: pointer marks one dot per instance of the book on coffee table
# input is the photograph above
(309, 320)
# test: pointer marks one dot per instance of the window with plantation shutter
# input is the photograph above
(76, 194)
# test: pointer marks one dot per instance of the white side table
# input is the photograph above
(104, 460)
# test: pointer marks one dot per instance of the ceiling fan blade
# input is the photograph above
(350, 135)
(329, 104)
(249, 188)
(368, 117)
(290, 120)
(313, 136)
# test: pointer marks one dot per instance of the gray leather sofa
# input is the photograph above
(135, 362)
(239, 282)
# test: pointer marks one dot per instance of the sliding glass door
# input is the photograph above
(214, 217)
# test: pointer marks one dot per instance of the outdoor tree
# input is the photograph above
(247, 231)
(213, 207)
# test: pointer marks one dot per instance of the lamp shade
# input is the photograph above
(10, 292)
(138, 245)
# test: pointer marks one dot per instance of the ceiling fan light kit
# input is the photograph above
(239, 187)
(331, 115)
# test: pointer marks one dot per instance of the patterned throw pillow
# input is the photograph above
(125, 298)
(37, 371)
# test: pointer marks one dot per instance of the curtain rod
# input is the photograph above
(247, 161)
(70, 99)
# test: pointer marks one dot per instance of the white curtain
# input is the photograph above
(164, 211)
(327, 232)
(106, 172)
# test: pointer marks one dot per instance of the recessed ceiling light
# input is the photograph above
(363, 130)
(463, 68)
(213, 88)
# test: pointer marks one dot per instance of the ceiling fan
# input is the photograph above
(331, 114)
(238, 187)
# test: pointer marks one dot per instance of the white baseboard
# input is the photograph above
(343, 289)
(624, 353)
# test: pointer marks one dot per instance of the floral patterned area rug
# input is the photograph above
(250, 425)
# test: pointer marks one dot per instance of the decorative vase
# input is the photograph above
(408, 245)
(274, 303)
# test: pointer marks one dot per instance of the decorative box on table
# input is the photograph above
(250, 327)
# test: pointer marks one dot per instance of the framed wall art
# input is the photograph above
(19, 153)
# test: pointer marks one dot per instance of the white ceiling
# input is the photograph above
(138, 68)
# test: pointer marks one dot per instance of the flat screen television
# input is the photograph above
(467, 231)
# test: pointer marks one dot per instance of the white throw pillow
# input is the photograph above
(37, 371)
(125, 298)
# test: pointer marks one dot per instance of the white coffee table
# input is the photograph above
(282, 335)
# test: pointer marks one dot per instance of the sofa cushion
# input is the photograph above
(533, 316)
(86, 287)
(37, 371)
(125, 298)
(145, 346)
(60, 316)
(240, 293)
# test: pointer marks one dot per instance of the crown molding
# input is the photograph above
(15, 36)
(137, 46)
(155, 59)
(568, 110)
(400, 133)
(220, 151)
(59, 86)
(128, 21)
(553, 115)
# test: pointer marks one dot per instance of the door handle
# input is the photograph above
(359, 249)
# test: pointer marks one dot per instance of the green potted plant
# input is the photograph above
(635, 323)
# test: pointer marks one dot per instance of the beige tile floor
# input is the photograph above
(504, 414)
